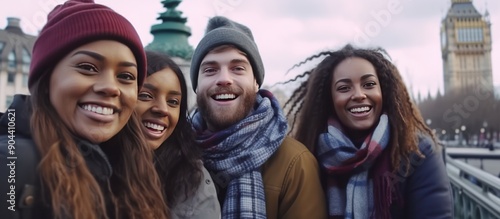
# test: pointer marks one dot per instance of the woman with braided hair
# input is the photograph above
(378, 159)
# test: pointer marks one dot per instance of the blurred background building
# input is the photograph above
(15, 59)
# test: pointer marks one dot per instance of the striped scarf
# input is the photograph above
(349, 189)
(239, 151)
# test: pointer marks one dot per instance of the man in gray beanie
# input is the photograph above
(259, 172)
(222, 31)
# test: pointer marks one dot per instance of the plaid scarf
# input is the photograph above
(240, 150)
(349, 189)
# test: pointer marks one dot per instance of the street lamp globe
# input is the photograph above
(462, 128)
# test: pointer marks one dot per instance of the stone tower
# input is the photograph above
(466, 48)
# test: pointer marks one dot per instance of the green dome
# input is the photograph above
(171, 36)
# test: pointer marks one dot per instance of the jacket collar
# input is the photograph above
(97, 161)
(18, 110)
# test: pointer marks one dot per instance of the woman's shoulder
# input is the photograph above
(203, 203)
(427, 145)
(206, 177)
(206, 188)
(427, 185)
(429, 150)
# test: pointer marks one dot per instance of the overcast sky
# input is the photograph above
(288, 31)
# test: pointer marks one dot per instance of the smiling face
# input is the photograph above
(94, 89)
(159, 106)
(226, 88)
(356, 94)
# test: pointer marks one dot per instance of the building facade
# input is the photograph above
(15, 59)
(466, 48)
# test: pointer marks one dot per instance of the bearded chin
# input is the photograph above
(220, 118)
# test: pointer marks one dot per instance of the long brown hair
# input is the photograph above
(311, 103)
(72, 189)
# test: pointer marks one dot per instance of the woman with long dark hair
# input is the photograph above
(378, 158)
(162, 107)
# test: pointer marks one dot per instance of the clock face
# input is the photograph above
(443, 39)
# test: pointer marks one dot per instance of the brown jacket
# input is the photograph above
(292, 184)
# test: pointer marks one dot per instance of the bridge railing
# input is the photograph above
(476, 193)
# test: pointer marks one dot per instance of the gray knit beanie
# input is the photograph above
(222, 31)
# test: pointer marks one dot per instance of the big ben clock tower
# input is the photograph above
(466, 48)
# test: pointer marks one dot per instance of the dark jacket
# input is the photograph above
(24, 157)
(426, 191)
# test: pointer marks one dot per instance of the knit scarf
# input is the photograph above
(239, 151)
(350, 191)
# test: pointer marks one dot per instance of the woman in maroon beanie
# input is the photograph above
(73, 149)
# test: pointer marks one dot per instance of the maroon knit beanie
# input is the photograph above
(78, 22)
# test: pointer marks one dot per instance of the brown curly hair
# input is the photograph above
(310, 105)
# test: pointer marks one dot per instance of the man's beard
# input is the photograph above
(222, 117)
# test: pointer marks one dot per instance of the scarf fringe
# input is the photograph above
(383, 192)
(388, 184)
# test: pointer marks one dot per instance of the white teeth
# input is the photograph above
(360, 109)
(98, 109)
(154, 126)
(225, 96)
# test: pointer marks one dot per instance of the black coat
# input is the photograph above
(427, 190)
(21, 175)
